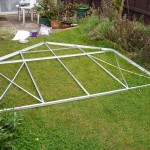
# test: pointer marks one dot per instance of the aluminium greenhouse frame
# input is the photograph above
(23, 61)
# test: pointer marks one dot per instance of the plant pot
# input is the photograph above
(65, 24)
(55, 24)
(44, 21)
(81, 12)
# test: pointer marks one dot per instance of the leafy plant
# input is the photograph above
(132, 36)
(118, 5)
(89, 22)
(82, 5)
(70, 9)
(102, 30)
(49, 8)
(8, 125)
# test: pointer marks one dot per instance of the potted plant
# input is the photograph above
(69, 14)
(74, 11)
(57, 9)
(41, 8)
(82, 10)
(47, 9)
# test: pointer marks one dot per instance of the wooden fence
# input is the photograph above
(95, 3)
(138, 9)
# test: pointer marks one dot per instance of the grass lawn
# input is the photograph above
(117, 121)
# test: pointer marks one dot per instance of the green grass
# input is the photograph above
(67, 36)
(118, 121)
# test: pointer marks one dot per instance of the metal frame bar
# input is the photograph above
(73, 45)
(49, 58)
(20, 87)
(120, 68)
(71, 99)
(88, 54)
(121, 71)
(18, 52)
(77, 81)
(130, 61)
(39, 51)
(108, 72)
(11, 82)
(31, 76)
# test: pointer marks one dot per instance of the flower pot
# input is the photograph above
(55, 24)
(65, 24)
(81, 12)
(44, 21)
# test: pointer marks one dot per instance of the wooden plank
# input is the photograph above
(144, 12)
(141, 4)
(130, 2)
(148, 6)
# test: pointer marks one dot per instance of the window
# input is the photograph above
(8, 5)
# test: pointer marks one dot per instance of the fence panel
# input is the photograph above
(138, 9)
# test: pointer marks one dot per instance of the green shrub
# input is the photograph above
(109, 11)
(132, 36)
(89, 22)
(8, 125)
(118, 5)
(102, 30)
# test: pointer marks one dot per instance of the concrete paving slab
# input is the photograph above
(13, 21)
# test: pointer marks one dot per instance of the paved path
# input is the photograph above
(12, 21)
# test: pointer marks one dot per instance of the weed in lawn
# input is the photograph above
(8, 125)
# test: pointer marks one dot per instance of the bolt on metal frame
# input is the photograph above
(3, 60)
